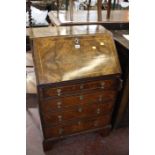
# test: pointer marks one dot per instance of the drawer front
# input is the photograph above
(78, 126)
(54, 118)
(78, 88)
(83, 99)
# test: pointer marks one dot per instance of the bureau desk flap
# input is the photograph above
(64, 58)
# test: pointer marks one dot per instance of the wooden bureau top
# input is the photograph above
(68, 53)
(51, 31)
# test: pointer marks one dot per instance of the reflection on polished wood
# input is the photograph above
(99, 10)
(30, 81)
(29, 60)
(65, 31)
(75, 56)
(88, 17)
(118, 36)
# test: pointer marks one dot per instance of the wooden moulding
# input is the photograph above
(73, 115)
(48, 144)
(75, 100)
(70, 89)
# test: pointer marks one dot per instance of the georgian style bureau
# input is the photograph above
(78, 77)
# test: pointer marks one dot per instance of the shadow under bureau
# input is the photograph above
(78, 78)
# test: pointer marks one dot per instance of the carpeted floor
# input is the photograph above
(117, 143)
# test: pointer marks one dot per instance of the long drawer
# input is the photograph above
(50, 92)
(75, 100)
(77, 126)
(53, 118)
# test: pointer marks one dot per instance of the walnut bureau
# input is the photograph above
(78, 78)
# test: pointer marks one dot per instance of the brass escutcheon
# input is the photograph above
(60, 131)
(81, 86)
(98, 111)
(81, 97)
(59, 91)
(59, 104)
(79, 109)
(77, 41)
(95, 124)
(102, 85)
(60, 118)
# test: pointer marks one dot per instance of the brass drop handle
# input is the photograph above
(81, 97)
(60, 118)
(95, 124)
(79, 109)
(59, 104)
(100, 98)
(102, 85)
(59, 91)
(98, 111)
(61, 130)
(79, 122)
(81, 86)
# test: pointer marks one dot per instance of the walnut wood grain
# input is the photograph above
(60, 60)
(76, 100)
(77, 127)
(80, 112)
(53, 92)
(78, 78)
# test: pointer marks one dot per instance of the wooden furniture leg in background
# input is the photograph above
(67, 2)
(108, 9)
(89, 5)
(71, 10)
(114, 5)
(29, 11)
(99, 10)
(58, 6)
